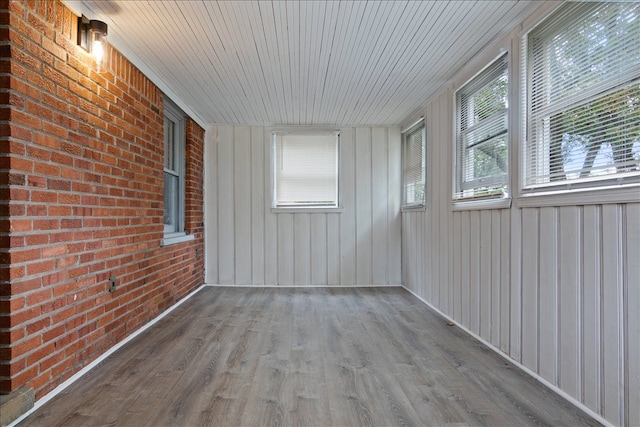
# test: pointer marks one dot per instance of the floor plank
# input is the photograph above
(305, 356)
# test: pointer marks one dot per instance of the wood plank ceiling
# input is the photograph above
(302, 62)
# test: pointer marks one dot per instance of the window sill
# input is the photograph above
(478, 205)
(413, 208)
(175, 238)
(584, 196)
(307, 209)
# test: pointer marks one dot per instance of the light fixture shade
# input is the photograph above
(92, 36)
(99, 27)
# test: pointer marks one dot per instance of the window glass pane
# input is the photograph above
(486, 165)
(169, 144)
(413, 165)
(306, 169)
(584, 106)
(170, 200)
(482, 133)
(174, 167)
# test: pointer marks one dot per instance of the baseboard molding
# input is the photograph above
(215, 285)
(53, 393)
(517, 364)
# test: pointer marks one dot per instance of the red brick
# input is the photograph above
(38, 325)
(20, 225)
(46, 169)
(25, 255)
(37, 239)
(40, 267)
(52, 251)
(85, 160)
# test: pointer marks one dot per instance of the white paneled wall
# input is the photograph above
(555, 288)
(249, 244)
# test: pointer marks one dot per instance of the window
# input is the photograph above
(174, 166)
(413, 165)
(583, 92)
(482, 141)
(305, 169)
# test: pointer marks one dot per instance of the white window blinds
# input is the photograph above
(305, 169)
(413, 165)
(583, 73)
(482, 133)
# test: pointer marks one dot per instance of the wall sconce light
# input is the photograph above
(92, 36)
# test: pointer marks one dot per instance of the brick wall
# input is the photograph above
(81, 175)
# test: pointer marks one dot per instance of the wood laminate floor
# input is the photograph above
(305, 357)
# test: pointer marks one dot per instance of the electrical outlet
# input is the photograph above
(112, 284)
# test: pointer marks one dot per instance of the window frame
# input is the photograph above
(609, 188)
(494, 200)
(172, 113)
(420, 125)
(304, 208)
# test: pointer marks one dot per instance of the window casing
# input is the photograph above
(174, 170)
(413, 165)
(582, 69)
(305, 169)
(482, 134)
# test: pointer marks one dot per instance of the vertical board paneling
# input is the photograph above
(226, 217)
(363, 205)
(257, 206)
(242, 204)
(494, 281)
(379, 191)
(333, 249)
(505, 282)
(418, 218)
(432, 197)
(465, 284)
(485, 275)
(258, 245)
(530, 289)
(348, 216)
(270, 220)
(443, 278)
(548, 292)
(456, 261)
(211, 204)
(632, 333)
(424, 254)
(474, 272)
(319, 255)
(591, 279)
(302, 249)
(516, 284)
(612, 283)
(569, 326)
(286, 252)
(437, 196)
(394, 229)
(406, 254)
(554, 287)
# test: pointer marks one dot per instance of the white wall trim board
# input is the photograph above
(53, 393)
(506, 357)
